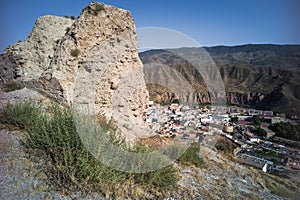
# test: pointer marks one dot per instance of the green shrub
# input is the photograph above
(23, 115)
(68, 29)
(99, 7)
(95, 12)
(258, 131)
(256, 120)
(191, 156)
(225, 146)
(75, 52)
(286, 130)
(52, 135)
(234, 119)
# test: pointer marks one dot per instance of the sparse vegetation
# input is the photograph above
(191, 156)
(53, 136)
(12, 86)
(281, 186)
(22, 115)
(68, 29)
(271, 153)
(165, 103)
(75, 52)
(98, 8)
(225, 146)
(71, 17)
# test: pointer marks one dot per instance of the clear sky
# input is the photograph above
(209, 22)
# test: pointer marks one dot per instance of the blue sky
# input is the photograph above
(209, 22)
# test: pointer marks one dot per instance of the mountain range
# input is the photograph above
(263, 76)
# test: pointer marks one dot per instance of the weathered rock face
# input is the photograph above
(106, 42)
(107, 75)
(94, 64)
(27, 60)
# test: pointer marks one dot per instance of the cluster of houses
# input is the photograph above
(189, 121)
(194, 122)
(183, 121)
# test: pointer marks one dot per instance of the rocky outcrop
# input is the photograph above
(91, 62)
(107, 66)
(27, 60)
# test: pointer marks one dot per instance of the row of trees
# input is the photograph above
(282, 129)
(286, 130)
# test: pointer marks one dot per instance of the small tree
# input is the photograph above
(234, 119)
(98, 8)
(75, 52)
(256, 120)
(260, 132)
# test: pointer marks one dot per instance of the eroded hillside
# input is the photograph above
(249, 74)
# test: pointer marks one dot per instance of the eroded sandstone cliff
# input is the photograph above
(27, 60)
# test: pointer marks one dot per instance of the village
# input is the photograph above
(238, 125)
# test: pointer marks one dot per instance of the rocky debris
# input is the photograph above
(221, 178)
(22, 95)
(91, 62)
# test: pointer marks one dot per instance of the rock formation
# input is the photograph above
(91, 62)
(27, 60)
